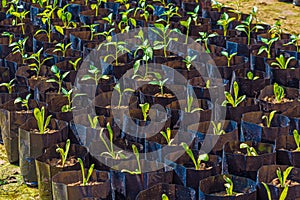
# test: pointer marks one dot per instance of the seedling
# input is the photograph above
(186, 24)
(59, 78)
(37, 65)
(283, 175)
(64, 152)
(276, 30)
(234, 101)
(195, 14)
(237, 10)
(228, 186)
(125, 3)
(167, 135)
(267, 47)
(144, 10)
(119, 49)
(96, 6)
(85, 179)
(137, 156)
(93, 121)
(110, 148)
(125, 21)
(145, 109)
(92, 28)
(21, 16)
(168, 14)
(250, 150)
(270, 118)
(164, 33)
(107, 34)
(10, 37)
(201, 157)
(46, 20)
(68, 107)
(254, 13)
(224, 22)
(94, 74)
(188, 61)
(189, 102)
(229, 57)
(217, 128)
(251, 76)
(75, 63)
(66, 18)
(162, 2)
(297, 139)
(217, 5)
(204, 39)
(9, 86)
(282, 196)
(282, 63)
(121, 92)
(42, 122)
(164, 197)
(159, 82)
(246, 27)
(19, 47)
(61, 47)
(294, 40)
(278, 92)
(24, 102)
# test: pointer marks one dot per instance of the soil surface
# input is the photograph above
(79, 183)
(273, 100)
(57, 162)
(223, 193)
(276, 182)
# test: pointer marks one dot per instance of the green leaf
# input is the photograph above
(59, 29)
(268, 190)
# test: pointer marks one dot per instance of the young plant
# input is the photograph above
(251, 76)
(145, 109)
(93, 121)
(46, 20)
(124, 23)
(204, 39)
(217, 5)
(283, 175)
(294, 40)
(186, 24)
(125, 3)
(39, 115)
(282, 196)
(278, 92)
(159, 82)
(167, 135)
(137, 156)
(20, 16)
(201, 157)
(10, 37)
(107, 34)
(94, 74)
(267, 47)
(61, 47)
(119, 49)
(121, 92)
(109, 19)
(59, 78)
(276, 30)
(168, 14)
(224, 22)
(269, 118)
(217, 128)
(85, 179)
(24, 102)
(234, 101)
(75, 63)
(144, 10)
(64, 152)
(9, 86)
(19, 47)
(250, 150)
(229, 57)
(95, 6)
(38, 62)
(282, 63)
(297, 139)
(92, 28)
(162, 2)
(228, 186)
(110, 148)
(164, 33)
(68, 107)
(254, 13)
(66, 18)
(195, 15)
(164, 197)
(246, 27)
(188, 61)
(189, 106)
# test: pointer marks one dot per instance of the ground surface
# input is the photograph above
(11, 184)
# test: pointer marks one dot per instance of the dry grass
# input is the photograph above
(271, 10)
